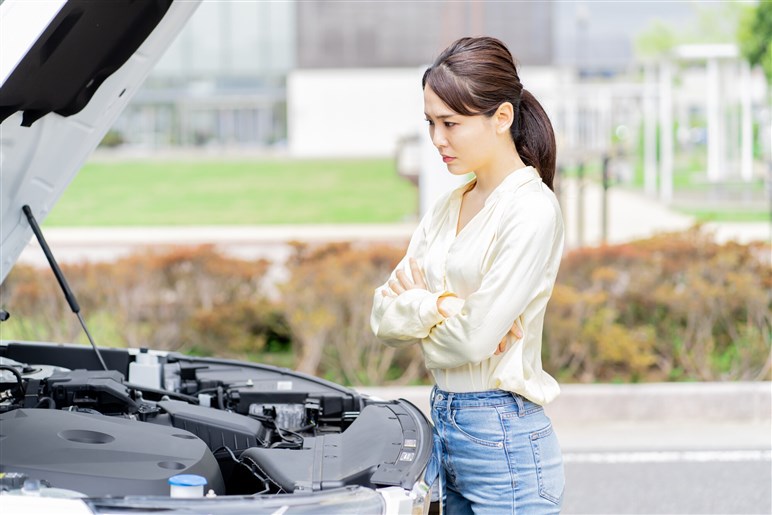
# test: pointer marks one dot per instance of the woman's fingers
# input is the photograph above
(396, 287)
(514, 331)
(418, 274)
(403, 280)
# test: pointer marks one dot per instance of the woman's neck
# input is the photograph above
(488, 179)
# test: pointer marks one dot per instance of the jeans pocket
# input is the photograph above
(549, 464)
(480, 425)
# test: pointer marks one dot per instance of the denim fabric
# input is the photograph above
(494, 453)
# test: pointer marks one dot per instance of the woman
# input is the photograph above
(473, 287)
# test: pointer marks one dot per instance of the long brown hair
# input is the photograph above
(475, 76)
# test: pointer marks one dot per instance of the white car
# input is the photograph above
(97, 431)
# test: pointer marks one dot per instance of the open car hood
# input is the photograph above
(67, 70)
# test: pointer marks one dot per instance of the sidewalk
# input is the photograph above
(658, 416)
(633, 215)
(248, 242)
(272, 241)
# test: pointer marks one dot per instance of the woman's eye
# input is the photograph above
(429, 122)
(450, 124)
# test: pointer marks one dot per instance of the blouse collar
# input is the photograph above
(510, 183)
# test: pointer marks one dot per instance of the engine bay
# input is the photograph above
(246, 428)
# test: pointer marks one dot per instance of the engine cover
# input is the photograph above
(100, 455)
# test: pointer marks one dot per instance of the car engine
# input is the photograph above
(246, 428)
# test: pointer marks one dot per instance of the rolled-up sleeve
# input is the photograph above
(520, 259)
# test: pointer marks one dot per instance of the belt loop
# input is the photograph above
(450, 399)
(520, 406)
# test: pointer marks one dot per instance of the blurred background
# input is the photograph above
(669, 98)
(269, 174)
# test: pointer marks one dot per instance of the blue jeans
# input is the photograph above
(494, 453)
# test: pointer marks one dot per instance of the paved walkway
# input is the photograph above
(633, 215)
(250, 242)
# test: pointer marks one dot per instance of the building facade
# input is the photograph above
(409, 34)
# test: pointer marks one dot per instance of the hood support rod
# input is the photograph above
(68, 294)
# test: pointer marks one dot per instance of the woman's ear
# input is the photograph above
(504, 117)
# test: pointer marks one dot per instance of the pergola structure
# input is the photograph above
(719, 59)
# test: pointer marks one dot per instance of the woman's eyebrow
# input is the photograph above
(441, 116)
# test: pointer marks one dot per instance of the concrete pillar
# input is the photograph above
(715, 164)
(605, 99)
(572, 124)
(682, 114)
(746, 124)
(666, 131)
(649, 132)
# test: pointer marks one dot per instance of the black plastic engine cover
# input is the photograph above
(98, 389)
(100, 455)
(385, 446)
(215, 427)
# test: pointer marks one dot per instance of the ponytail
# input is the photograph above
(534, 138)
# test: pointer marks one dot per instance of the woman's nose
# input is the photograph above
(438, 138)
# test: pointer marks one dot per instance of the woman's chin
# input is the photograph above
(456, 169)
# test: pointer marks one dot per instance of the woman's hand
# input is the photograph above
(514, 331)
(404, 283)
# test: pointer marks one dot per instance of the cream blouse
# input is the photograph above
(501, 267)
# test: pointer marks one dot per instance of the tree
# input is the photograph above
(710, 24)
(754, 35)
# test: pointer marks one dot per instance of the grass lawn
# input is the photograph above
(206, 192)
(715, 215)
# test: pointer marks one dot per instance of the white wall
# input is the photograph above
(350, 113)
(364, 112)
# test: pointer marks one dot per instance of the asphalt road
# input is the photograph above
(691, 482)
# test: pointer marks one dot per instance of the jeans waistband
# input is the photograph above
(456, 400)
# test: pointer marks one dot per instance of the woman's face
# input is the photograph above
(466, 143)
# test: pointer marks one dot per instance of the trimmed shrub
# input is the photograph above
(671, 308)
(181, 299)
(327, 301)
(674, 307)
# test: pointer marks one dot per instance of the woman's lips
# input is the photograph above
(447, 159)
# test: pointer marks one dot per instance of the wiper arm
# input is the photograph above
(68, 294)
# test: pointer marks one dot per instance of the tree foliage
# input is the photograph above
(754, 35)
(714, 23)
